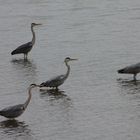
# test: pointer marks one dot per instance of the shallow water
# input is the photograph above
(95, 102)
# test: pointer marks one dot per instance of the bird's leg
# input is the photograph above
(27, 56)
(56, 88)
(24, 56)
(135, 77)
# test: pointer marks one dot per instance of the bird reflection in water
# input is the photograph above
(27, 64)
(128, 82)
(54, 93)
(57, 101)
(25, 68)
(129, 86)
(23, 62)
(11, 124)
(15, 129)
(58, 106)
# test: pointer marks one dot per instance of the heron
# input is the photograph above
(12, 112)
(58, 80)
(132, 69)
(26, 48)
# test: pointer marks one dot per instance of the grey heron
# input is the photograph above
(132, 69)
(12, 112)
(58, 80)
(26, 48)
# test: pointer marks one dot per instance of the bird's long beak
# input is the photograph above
(73, 59)
(38, 24)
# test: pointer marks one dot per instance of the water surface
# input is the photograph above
(95, 102)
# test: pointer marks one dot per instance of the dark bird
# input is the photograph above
(132, 69)
(58, 80)
(26, 48)
(12, 112)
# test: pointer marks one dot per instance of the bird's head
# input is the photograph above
(33, 85)
(35, 24)
(67, 59)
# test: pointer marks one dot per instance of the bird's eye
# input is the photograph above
(22, 108)
(67, 58)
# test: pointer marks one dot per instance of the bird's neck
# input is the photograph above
(29, 98)
(68, 70)
(33, 39)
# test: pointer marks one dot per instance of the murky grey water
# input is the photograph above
(95, 102)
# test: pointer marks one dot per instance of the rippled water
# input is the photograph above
(95, 102)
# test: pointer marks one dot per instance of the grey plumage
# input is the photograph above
(12, 111)
(58, 80)
(16, 110)
(26, 48)
(132, 69)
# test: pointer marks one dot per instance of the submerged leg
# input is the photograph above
(135, 77)
(56, 88)
(24, 56)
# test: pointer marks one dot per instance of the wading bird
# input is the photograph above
(132, 69)
(58, 80)
(12, 112)
(26, 48)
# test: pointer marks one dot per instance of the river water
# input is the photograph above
(95, 102)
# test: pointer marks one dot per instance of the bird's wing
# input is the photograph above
(57, 78)
(13, 108)
(54, 81)
(132, 68)
(12, 111)
(23, 48)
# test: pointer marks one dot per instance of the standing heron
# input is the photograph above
(58, 80)
(12, 112)
(132, 69)
(26, 48)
